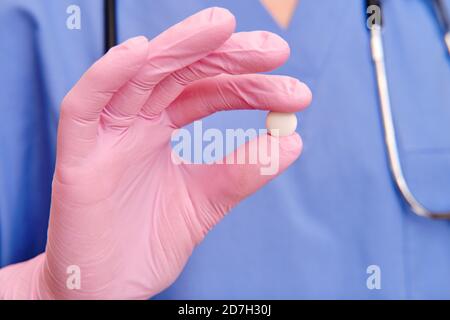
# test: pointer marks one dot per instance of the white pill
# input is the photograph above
(281, 124)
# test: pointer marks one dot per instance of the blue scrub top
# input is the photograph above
(311, 233)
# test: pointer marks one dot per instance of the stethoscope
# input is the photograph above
(377, 52)
(110, 27)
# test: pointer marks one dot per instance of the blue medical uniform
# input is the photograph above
(314, 231)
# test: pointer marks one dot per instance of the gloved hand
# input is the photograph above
(122, 211)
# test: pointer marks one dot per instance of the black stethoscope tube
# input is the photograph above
(374, 3)
(110, 32)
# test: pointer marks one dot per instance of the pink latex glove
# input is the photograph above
(122, 211)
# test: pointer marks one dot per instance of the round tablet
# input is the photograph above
(281, 124)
